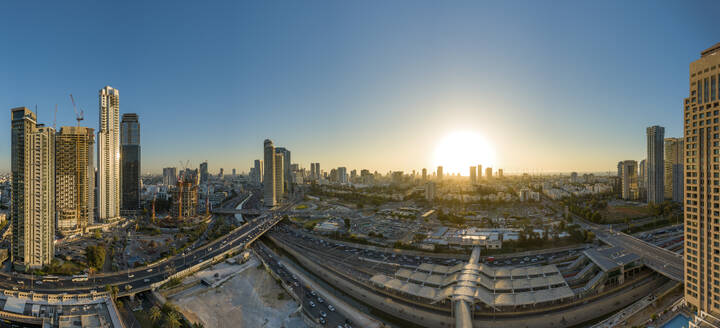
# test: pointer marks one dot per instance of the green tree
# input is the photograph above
(173, 320)
(95, 256)
(155, 313)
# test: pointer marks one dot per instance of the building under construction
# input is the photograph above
(185, 197)
(74, 179)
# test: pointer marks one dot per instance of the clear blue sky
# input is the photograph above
(552, 85)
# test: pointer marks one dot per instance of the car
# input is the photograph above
(15, 288)
(20, 282)
(150, 270)
(323, 314)
(322, 321)
(320, 300)
(131, 276)
(146, 280)
(313, 293)
(312, 304)
(331, 308)
(39, 283)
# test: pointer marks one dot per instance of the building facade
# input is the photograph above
(204, 174)
(630, 190)
(108, 175)
(170, 176)
(185, 197)
(674, 169)
(473, 174)
(287, 174)
(130, 163)
(439, 172)
(279, 177)
(269, 174)
(655, 164)
(74, 179)
(488, 172)
(32, 205)
(701, 193)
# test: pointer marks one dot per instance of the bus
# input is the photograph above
(80, 277)
(50, 279)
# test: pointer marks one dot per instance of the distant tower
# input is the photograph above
(473, 174)
(655, 164)
(674, 169)
(279, 176)
(108, 197)
(629, 180)
(204, 172)
(488, 172)
(479, 171)
(439, 172)
(130, 162)
(269, 174)
(500, 173)
(424, 174)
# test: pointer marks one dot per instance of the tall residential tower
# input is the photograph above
(269, 173)
(74, 179)
(32, 204)
(702, 219)
(108, 175)
(655, 164)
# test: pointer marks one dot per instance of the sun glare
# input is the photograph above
(460, 150)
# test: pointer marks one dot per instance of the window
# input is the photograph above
(712, 88)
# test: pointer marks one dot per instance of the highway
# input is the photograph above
(140, 279)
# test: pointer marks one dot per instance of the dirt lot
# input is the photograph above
(251, 298)
(618, 213)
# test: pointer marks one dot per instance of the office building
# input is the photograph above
(674, 169)
(204, 175)
(488, 172)
(500, 173)
(287, 175)
(342, 175)
(257, 175)
(642, 180)
(108, 175)
(269, 195)
(170, 176)
(655, 164)
(130, 163)
(430, 191)
(32, 204)
(233, 172)
(439, 172)
(473, 174)
(279, 177)
(479, 171)
(74, 179)
(702, 286)
(619, 169)
(424, 174)
(629, 180)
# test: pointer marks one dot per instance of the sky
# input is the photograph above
(551, 86)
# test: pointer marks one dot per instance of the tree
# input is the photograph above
(173, 320)
(155, 313)
(95, 256)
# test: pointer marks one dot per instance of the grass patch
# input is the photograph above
(301, 207)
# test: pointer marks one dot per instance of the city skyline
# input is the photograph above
(414, 115)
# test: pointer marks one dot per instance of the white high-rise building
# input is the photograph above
(269, 174)
(108, 196)
(655, 164)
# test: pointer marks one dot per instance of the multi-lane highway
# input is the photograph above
(140, 279)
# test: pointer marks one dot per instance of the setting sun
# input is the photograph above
(460, 150)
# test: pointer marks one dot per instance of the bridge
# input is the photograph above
(663, 261)
(244, 211)
(149, 277)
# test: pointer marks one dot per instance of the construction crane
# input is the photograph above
(79, 116)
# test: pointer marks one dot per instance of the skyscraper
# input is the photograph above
(439, 172)
(342, 174)
(170, 176)
(108, 197)
(74, 179)
(287, 174)
(258, 171)
(424, 174)
(473, 174)
(279, 176)
(701, 167)
(642, 180)
(130, 162)
(269, 174)
(629, 180)
(655, 164)
(32, 206)
(674, 169)
(488, 172)
(204, 172)
(479, 171)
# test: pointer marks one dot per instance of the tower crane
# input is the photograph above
(79, 116)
